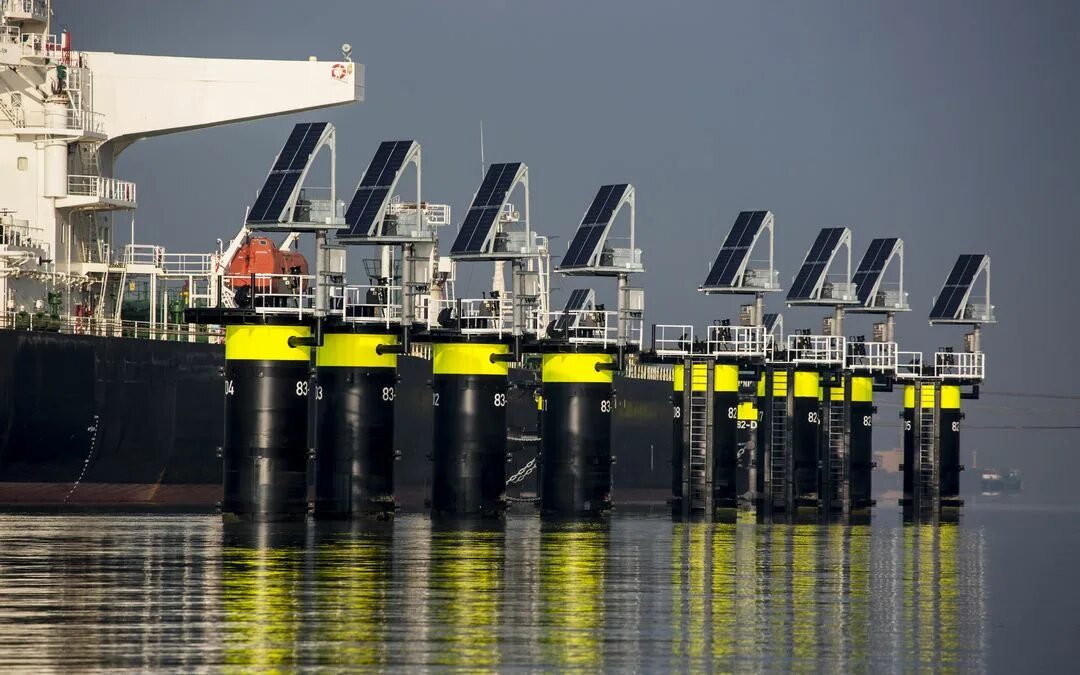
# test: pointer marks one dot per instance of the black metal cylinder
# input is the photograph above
(677, 410)
(354, 457)
(949, 445)
(725, 436)
(575, 457)
(861, 446)
(806, 436)
(469, 451)
(266, 414)
(910, 456)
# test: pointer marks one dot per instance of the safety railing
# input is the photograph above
(816, 349)
(367, 304)
(909, 365)
(585, 326)
(476, 316)
(960, 365)
(107, 189)
(736, 341)
(285, 294)
(37, 9)
(74, 120)
(88, 325)
(871, 357)
(19, 234)
(672, 339)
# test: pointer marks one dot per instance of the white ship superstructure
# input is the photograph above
(65, 117)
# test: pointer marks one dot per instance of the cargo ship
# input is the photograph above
(107, 395)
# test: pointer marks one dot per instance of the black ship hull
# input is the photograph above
(94, 420)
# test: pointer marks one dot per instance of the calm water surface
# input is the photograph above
(997, 592)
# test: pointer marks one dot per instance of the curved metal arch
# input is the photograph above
(628, 199)
(327, 139)
(814, 297)
(868, 307)
(413, 157)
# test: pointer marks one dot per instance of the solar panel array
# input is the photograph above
(815, 264)
(770, 321)
(957, 285)
(580, 299)
(596, 222)
(872, 266)
(735, 250)
(288, 168)
(485, 208)
(374, 188)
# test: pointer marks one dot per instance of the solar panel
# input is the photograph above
(731, 260)
(273, 197)
(375, 187)
(949, 304)
(581, 299)
(485, 208)
(872, 266)
(815, 264)
(593, 227)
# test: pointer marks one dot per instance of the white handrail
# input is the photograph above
(873, 357)
(816, 349)
(673, 339)
(960, 365)
(736, 341)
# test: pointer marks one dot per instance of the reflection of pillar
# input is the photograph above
(465, 588)
(573, 565)
(259, 580)
(354, 587)
(805, 617)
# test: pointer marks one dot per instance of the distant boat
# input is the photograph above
(996, 482)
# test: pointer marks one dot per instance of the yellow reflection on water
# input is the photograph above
(464, 591)
(573, 562)
(260, 601)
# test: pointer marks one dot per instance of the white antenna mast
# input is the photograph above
(483, 165)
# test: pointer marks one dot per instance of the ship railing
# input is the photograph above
(18, 233)
(108, 189)
(477, 316)
(26, 8)
(178, 264)
(736, 341)
(909, 365)
(380, 304)
(41, 45)
(960, 365)
(871, 357)
(823, 350)
(284, 294)
(89, 325)
(586, 326)
(672, 339)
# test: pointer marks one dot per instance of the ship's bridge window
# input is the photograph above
(22, 163)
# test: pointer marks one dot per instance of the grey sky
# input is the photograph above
(952, 125)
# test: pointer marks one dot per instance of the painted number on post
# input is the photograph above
(500, 400)
(867, 421)
(388, 393)
(605, 406)
(230, 388)
(813, 418)
(678, 412)
(301, 388)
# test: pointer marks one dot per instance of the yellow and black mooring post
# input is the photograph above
(861, 443)
(357, 384)
(267, 385)
(805, 437)
(931, 419)
(575, 456)
(469, 451)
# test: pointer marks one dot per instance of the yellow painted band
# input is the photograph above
(467, 358)
(355, 350)
(725, 378)
(862, 389)
(579, 368)
(747, 411)
(265, 343)
(950, 396)
(807, 384)
(779, 379)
